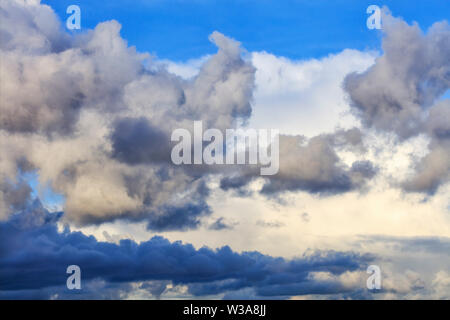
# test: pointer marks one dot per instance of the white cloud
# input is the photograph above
(304, 97)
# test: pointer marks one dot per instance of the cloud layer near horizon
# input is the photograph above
(31, 237)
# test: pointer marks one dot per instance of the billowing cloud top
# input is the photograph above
(84, 112)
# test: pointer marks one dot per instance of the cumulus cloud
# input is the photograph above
(13, 196)
(399, 94)
(94, 122)
(48, 83)
(305, 96)
(392, 94)
(312, 165)
(434, 169)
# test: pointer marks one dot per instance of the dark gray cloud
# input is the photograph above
(31, 238)
(315, 167)
(15, 195)
(156, 288)
(178, 218)
(311, 165)
(433, 170)
(136, 141)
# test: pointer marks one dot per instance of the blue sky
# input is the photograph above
(44, 192)
(178, 29)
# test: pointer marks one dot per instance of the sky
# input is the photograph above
(87, 177)
(302, 29)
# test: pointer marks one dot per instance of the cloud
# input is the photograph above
(52, 76)
(176, 218)
(413, 244)
(393, 93)
(221, 224)
(433, 170)
(305, 96)
(400, 94)
(93, 118)
(135, 141)
(313, 165)
(31, 238)
(411, 267)
(13, 196)
(269, 224)
(95, 124)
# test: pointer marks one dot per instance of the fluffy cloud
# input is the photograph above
(399, 94)
(84, 112)
(312, 165)
(395, 91)
(315, 167)
(434, 169)
(305, 96)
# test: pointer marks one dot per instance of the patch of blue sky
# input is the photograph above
(51, 200)
(297, 29)
(446, 95)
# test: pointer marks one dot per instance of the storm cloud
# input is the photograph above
(31, 237)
